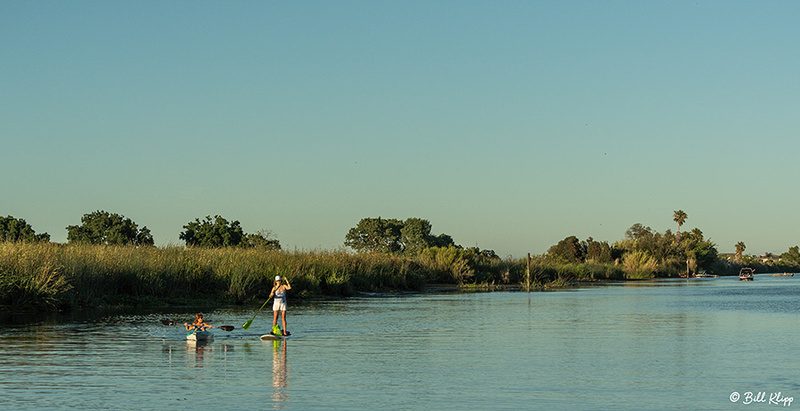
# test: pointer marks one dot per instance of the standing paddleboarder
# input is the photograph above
(279, 304)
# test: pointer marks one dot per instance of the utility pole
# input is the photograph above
(528, 275)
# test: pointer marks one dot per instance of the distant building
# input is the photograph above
(770, 258)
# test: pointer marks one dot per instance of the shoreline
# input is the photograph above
(48, 277)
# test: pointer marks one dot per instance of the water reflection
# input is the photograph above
(198, 354)
(201, 349)
(280, 374)
(680, 344)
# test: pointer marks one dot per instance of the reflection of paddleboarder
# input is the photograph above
(279, 304)
(280, 373)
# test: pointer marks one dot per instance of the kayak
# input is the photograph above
(273, 337)
(199, 336)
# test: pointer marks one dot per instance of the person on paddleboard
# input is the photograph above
(198, 325)
(279, 304)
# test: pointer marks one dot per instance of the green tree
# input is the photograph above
(740, 247)
(638, 232)
(698, 250)
(599, 252)
(411, 236)
(663, 253)
(444, 240)
(17, 229)
(656, 245)
(793, 255)
(375, 235)
(568, 250)
(102, 227)
(415, 235)
(679, 217)
(216, 232)
(262, 240)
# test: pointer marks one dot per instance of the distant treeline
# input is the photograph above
(104, 228)
(645, 253)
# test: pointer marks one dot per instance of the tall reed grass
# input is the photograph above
(30, 277)
(49, 276)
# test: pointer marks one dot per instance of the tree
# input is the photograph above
(680, 218)
(792, 255)
(16, 229)
(102, 227)
(262, 239)
(216, 232)
(638, 232)
(411, 236)
(599, 252)
(699, 250)
(665, 254)
(740, 247)
(489, 254)
(443, 240)
(415, 235)
(656, 245)
(568, 250)
(375, 235)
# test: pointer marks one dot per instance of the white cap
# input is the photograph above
(277, 278)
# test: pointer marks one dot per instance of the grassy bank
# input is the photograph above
(50, 276)
(57, 276)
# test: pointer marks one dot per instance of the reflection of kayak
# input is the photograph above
(273, 337)
(199, 336)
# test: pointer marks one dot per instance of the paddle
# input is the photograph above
(221, 327)
(247, 323)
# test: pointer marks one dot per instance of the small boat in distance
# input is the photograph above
(783, 275)
(746, 274)
(703, 274)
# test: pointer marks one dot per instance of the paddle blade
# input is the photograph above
(250, 321)
(226, 327)
(167, 322)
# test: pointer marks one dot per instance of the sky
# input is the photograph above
(509, 125)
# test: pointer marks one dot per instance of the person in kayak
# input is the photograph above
(279, 304)
(198, 325)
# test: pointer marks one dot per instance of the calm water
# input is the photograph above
(656, 345)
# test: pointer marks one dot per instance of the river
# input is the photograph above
(672, 344)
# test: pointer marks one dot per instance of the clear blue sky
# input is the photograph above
(508, 125)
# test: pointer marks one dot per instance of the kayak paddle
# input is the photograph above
(247, 323)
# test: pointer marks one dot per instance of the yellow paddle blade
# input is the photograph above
(246, 325)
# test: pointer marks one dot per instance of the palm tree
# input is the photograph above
(680, 218)
(739, 249)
